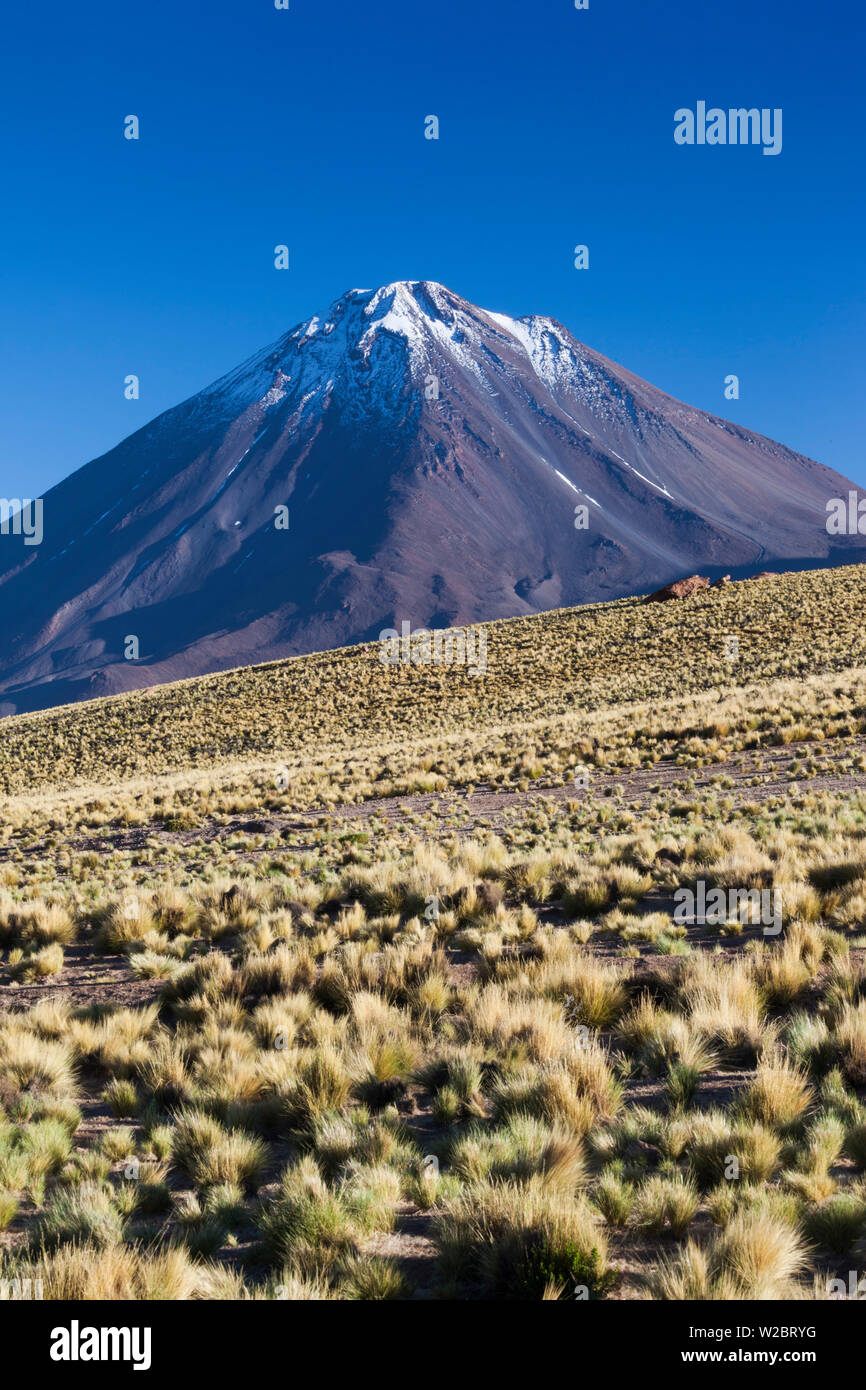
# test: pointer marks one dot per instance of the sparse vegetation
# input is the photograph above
(418, 1018)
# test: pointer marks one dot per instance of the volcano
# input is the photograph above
(405, 456)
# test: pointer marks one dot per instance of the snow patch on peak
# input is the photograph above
(427, 316)
(643, 477)
(430, 320)
(277, 391)
(550, 354)
(310, 331)
(394, 307)
(416, 300)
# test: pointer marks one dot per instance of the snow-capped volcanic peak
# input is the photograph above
(395, 309)
(425, 314)
(432, 320)
(429, 315)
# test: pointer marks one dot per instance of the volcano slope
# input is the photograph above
(334, 980)
(405, 455)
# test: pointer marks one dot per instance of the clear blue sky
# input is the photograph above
(261, 126)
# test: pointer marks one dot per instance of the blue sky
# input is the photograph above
(306, 127)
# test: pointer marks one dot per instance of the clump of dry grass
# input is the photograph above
(780, 1094)
(665, 1203)
(211, 1154)
(521, 1238)
(717, 1149)
(760, 1254)
(756, 1256)
(38, 964)
(33, 1064)
(322, 1083)
(523, 1148)
(850, 1034)
(80, 1271)
(592, 992)
(725, 1006)
(34, 924)
(577, 1090)
(781, 973)
(308, 1221)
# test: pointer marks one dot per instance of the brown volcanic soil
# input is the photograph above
(490, 809)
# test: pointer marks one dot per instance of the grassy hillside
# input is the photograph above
(330, 980)
(579, 659)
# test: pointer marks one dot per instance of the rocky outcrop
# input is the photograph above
(681, 588)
